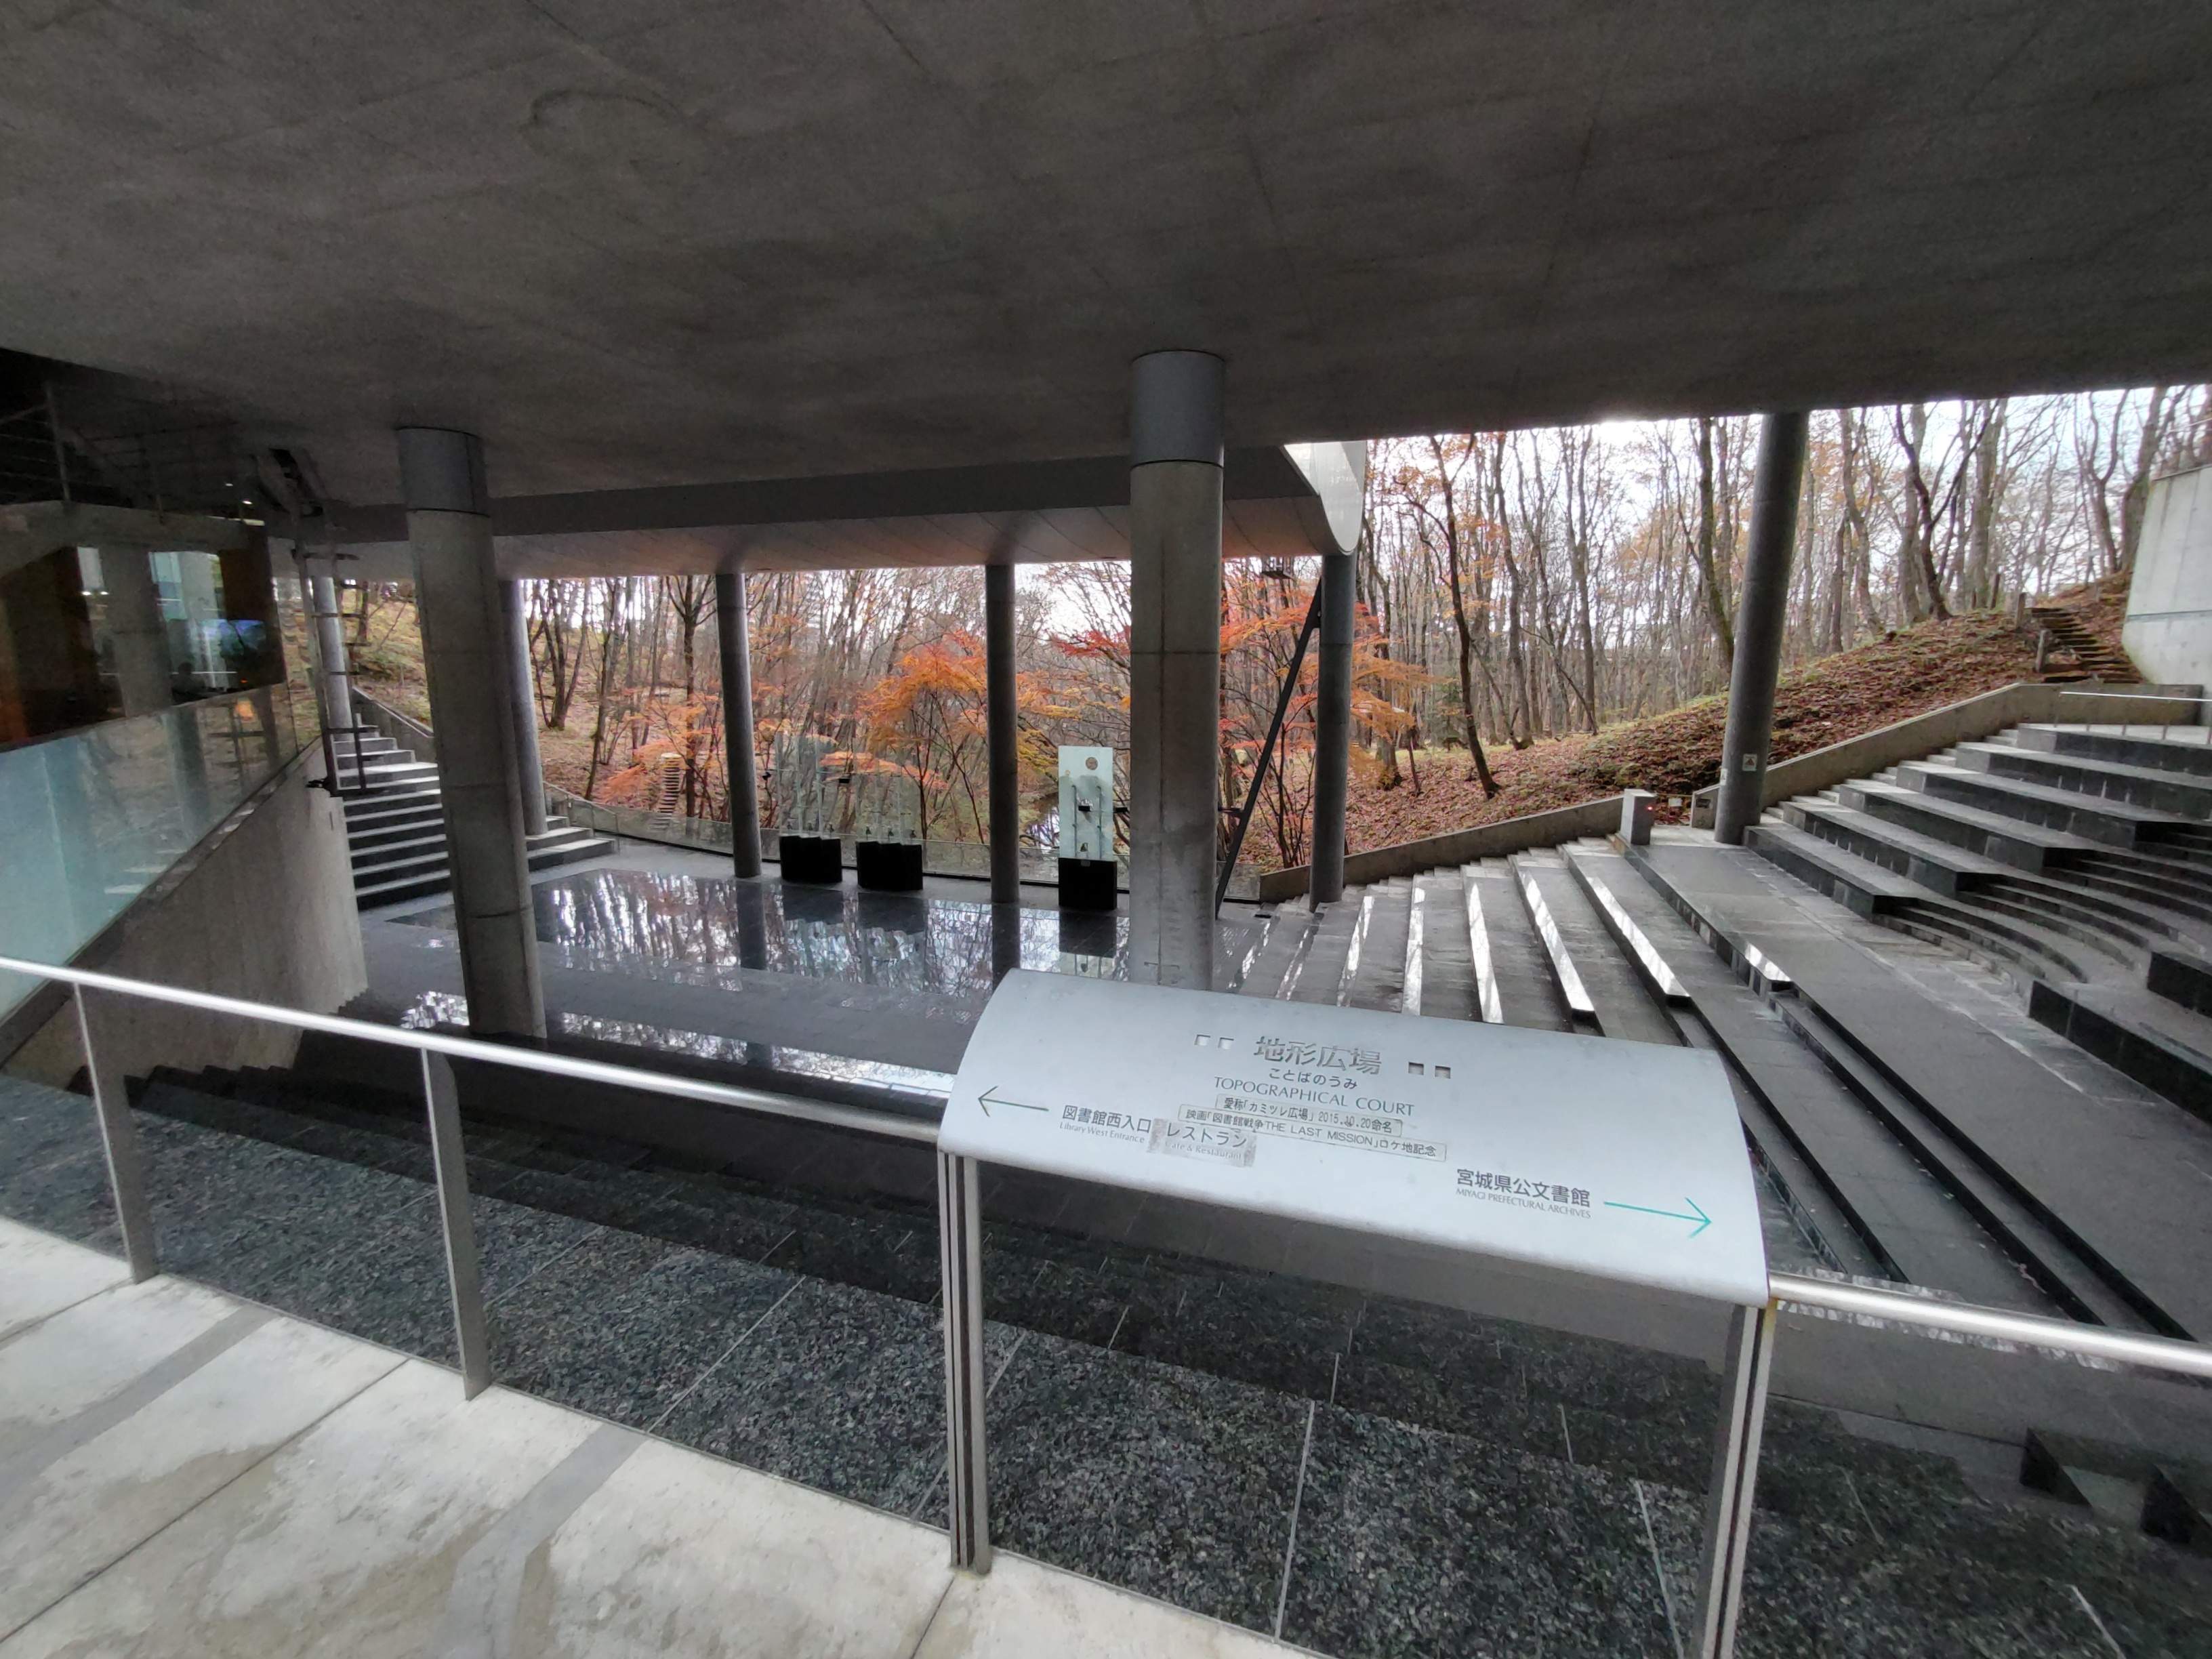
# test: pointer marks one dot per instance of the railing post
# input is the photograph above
(118, 1138)
(960, 1248)
(1736, 1478)
(451, 1163)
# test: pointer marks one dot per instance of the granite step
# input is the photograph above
(1269, 958)
(2182, 795)
(2125, 748)
(1843, 876)
(1375, 965)
(1441, 975)
(1990, 834)
(1870, 1151)
(1936, 865)
(1620, 1006)
(2160, 1044)
(376, 811)
(2133, 1210)
(2117, 824)
(1318, 975)
(1528, 992)
(2182, 977)
(2023, 949)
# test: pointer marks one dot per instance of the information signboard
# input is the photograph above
(1620, 1160)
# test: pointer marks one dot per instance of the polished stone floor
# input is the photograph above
(660, 949)
(1360, 1474)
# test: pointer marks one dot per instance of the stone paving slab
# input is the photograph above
(285, 1490)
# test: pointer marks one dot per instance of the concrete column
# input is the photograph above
(1001, 721)
(1174, 663)
(136, 635)
(467, 662)
(1332, 730)
(738, 758)
(1761, 610)
(529, 769)
(331, 649)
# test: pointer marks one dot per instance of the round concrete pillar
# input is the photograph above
(1174, 663)
(1001, 707)
(468, 659)
(1332, 730)
(1762, 611)
(529, 768)
(739, 760)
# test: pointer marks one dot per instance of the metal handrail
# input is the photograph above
(766, 1101)
(960, 1242)
(1955, 1318)
(2136, 697)
(2163, 1353)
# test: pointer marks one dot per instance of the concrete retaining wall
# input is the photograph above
(1961, 722)
(2168, 631)
(261, 909)
(1484, 841)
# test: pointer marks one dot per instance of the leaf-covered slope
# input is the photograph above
(1873, 685)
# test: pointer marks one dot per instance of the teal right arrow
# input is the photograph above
(1695, 1214)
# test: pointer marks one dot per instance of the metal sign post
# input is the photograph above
(1542, 1153)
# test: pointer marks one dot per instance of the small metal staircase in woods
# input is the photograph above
(396, 831)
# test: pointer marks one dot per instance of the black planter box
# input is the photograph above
(1088, 883)
(817, 858)
(888, 866)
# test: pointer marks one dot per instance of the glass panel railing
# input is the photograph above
(1939, 1492)
(90, 821)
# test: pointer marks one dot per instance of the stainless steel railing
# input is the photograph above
(960, 1238)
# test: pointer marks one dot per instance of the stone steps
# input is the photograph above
(2069, 859)
(397, 834)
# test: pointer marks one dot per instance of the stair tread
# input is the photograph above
(1862, 873)
(2134, 1205)
(1979, 818)
(2043, 760)
(2072, 800)
(1957, 859)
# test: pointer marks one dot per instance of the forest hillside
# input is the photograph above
(1900, 673)
(1908, 671)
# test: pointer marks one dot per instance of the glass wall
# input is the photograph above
(89, 820)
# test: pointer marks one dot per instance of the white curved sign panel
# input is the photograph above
(1619, 1160)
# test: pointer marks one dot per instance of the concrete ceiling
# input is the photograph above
(644, 242)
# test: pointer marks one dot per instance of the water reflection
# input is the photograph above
(434, 1009)
(696, 929)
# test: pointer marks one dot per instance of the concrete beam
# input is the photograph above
(31, 530)
(1277, 504)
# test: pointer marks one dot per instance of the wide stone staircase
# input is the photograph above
(2076, 860)
(396, 830)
